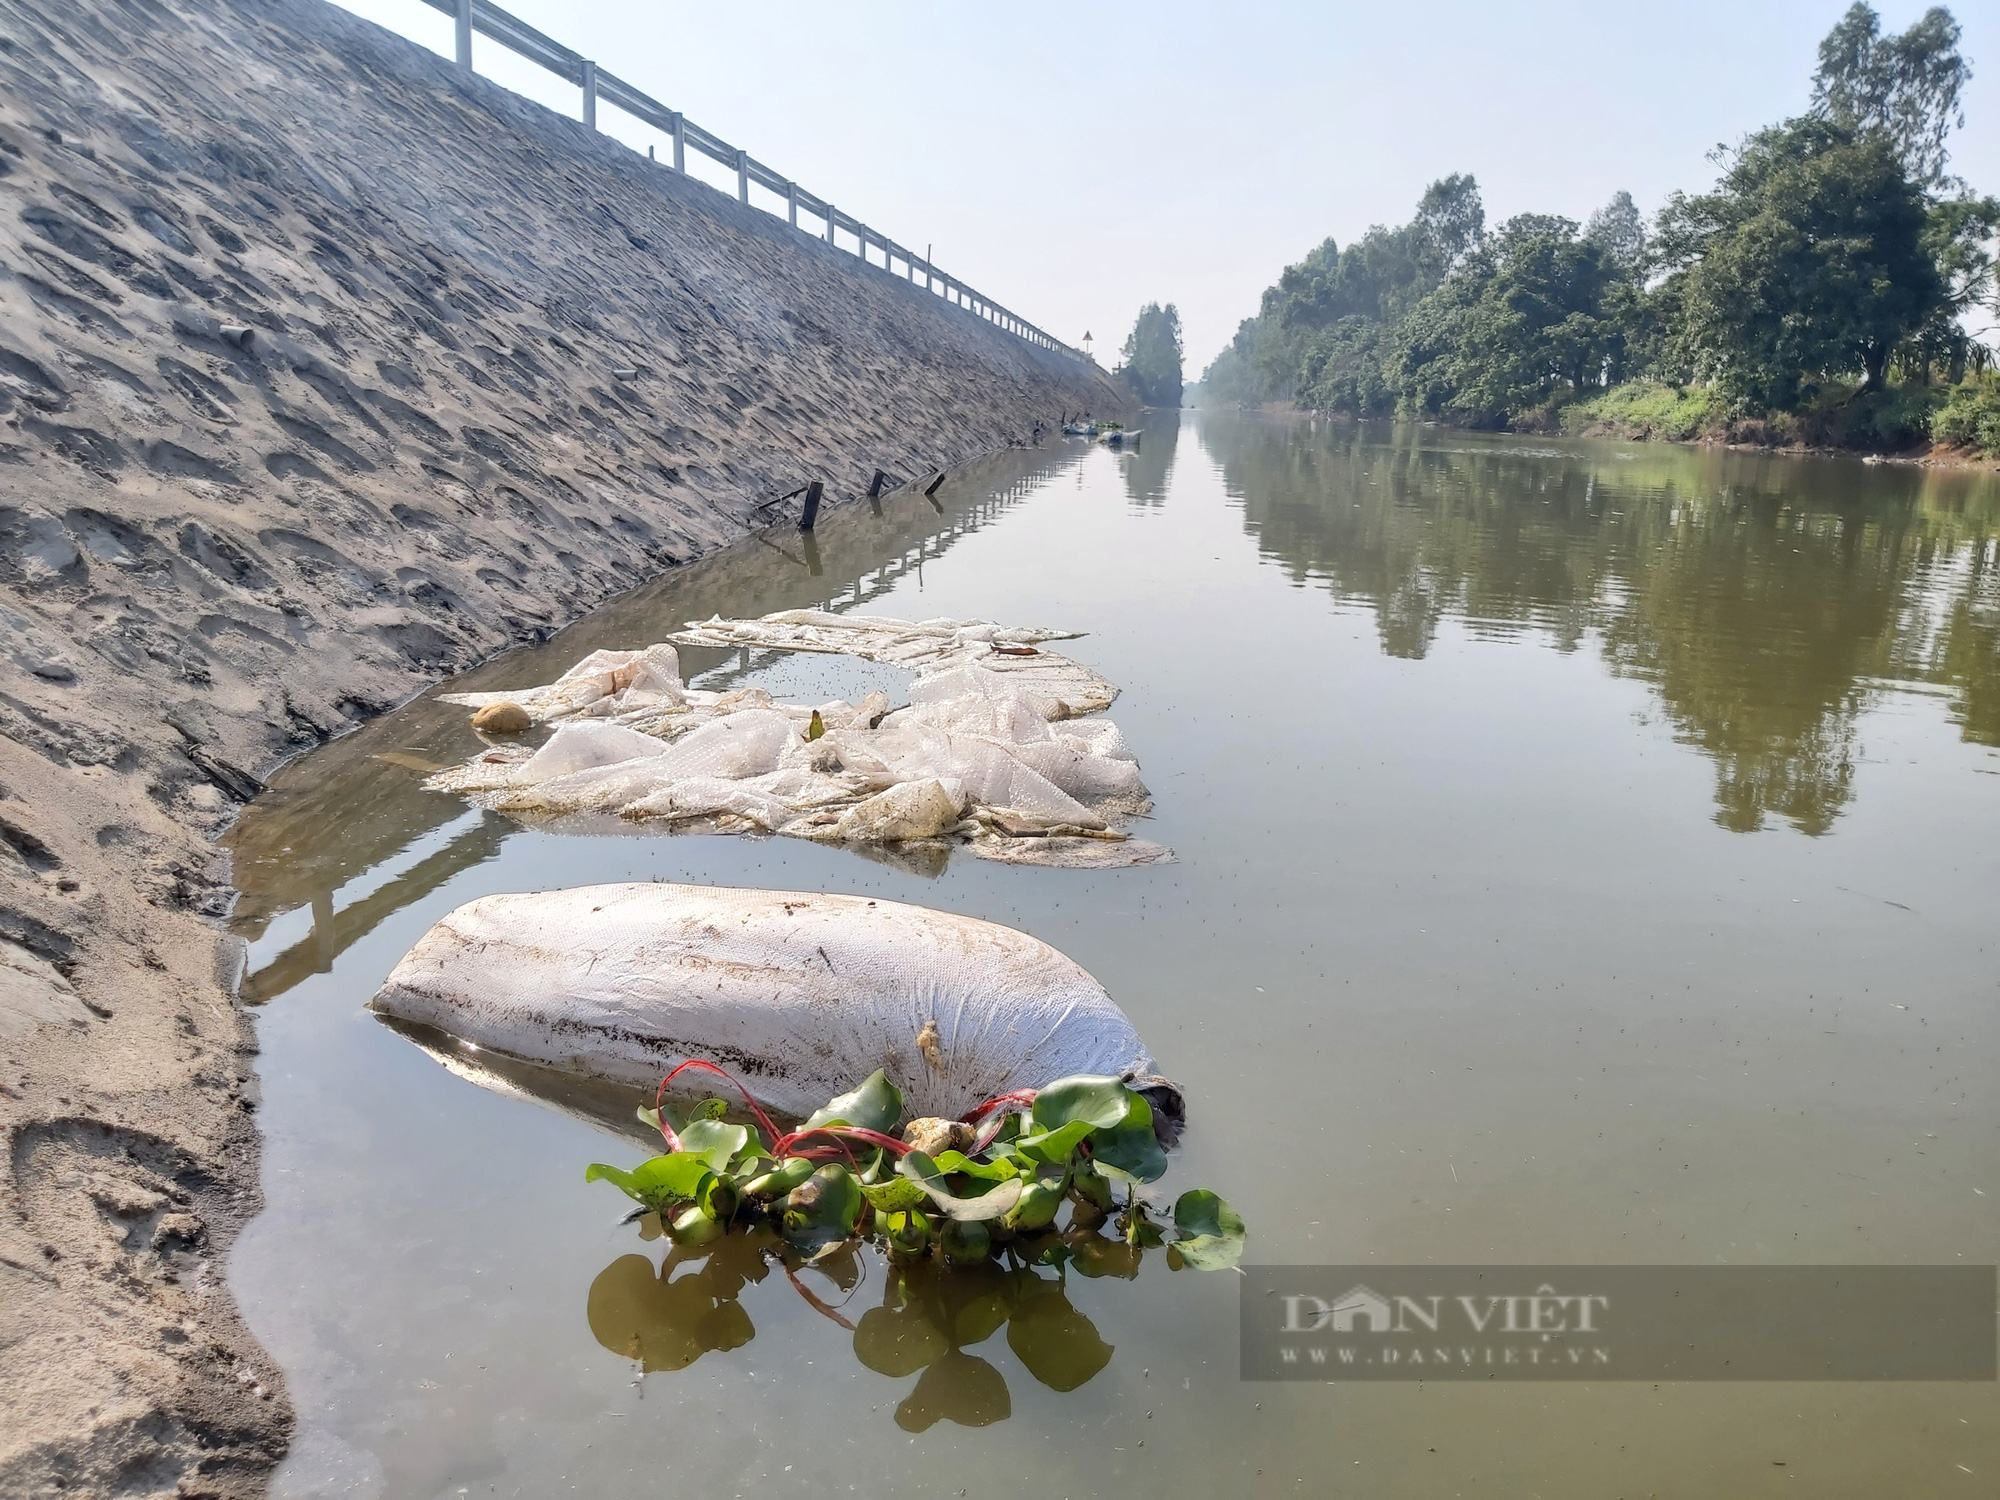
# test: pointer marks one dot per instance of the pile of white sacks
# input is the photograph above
(994, 746)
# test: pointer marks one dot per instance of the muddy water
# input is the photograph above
(1586, 855)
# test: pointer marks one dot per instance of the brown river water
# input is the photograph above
(1587, 855)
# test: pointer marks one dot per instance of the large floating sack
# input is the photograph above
(992, 714)
(798, 995)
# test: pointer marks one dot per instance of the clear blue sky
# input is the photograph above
(1074, 162)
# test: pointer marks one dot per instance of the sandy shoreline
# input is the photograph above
(314, 388)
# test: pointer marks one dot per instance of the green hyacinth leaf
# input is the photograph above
(716, 1142)
(1037, 1209)
(1054, 1147)
(1101, 1102)
(658, 1182)
(1208, 1232)
(876, 1105)
(897, 1195)
(781, 1179)
(1132, 1146)
(824, 1208)
(618, 1177)
(992, 1204)
(952, 1163)
(694, 1225)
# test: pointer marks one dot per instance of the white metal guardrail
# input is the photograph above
(489, 20)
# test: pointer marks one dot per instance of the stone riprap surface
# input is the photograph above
(324, 371)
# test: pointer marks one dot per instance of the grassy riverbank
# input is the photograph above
(1960, 422)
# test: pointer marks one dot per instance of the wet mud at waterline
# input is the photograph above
(1583, 857)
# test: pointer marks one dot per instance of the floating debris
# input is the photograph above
(996, 749)
(843, 1177)
(503, 718)
(801, 992)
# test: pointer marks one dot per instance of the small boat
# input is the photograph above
(1079, 429)
(1121, 439)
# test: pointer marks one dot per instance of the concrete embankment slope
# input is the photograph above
(496, 368)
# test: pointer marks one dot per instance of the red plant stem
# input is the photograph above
(979, 1112)
(788, 1145)
(660, 1119)
(770, 1130)
(782, 1142)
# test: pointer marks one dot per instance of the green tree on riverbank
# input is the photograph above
(1152, 356)
(1817, 291)
(1808, 262)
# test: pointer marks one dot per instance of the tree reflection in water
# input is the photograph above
(1765, 599)
(929, 1318)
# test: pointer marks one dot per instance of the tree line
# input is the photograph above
(1817, 292)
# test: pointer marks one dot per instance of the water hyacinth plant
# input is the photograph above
(994, 1184)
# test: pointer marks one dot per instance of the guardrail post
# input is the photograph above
(680, 143)
(590, 95)
(462, 25)
(830, 212)
(742, 176)
(792, 202)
